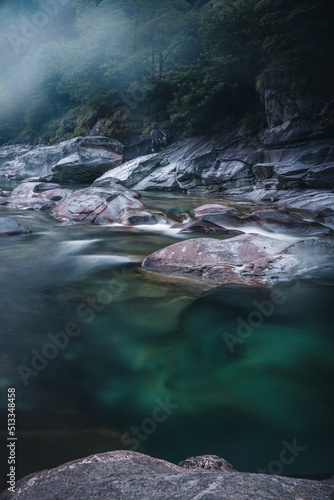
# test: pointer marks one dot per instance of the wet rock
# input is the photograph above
(129, 475)
(9, 227)
(247, 259)
(208, 227)
(207, 462)
(222, 215)
(35, 196)
(103, 206)
(181, 218)
(281, 220)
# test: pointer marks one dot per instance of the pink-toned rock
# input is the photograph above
(249, 259)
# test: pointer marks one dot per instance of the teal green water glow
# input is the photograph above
(156, 339)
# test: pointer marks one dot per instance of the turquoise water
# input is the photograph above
(158, 365)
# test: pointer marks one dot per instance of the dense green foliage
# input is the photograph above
(193, 64)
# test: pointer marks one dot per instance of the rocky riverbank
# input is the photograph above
(131, 475)
(278, 184)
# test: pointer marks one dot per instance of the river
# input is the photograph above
(133, 360)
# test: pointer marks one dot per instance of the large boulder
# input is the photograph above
(35, 196)
(271, 218)
(9, 227)
(132, 476)
(82, 159)
(94, 157)
(105, 205)
(247, 259)
(36, 161)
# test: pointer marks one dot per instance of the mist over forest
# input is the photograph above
(195, 66)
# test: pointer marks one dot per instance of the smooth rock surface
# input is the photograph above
(10, 227)
(81, 159)
(248, 259)
(104, 206)
(125, 475)
(94, 157)
(209, 228)
(35, 196)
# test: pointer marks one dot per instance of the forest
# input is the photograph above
(195, 66)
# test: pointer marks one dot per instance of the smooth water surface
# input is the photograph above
(144, 342)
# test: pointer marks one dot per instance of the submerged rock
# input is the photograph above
(130, 475)
(248, 259)
(10, 227)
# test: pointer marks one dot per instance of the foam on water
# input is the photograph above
(76, 246)
(263, 232)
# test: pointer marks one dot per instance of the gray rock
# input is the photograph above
(222, 215)
(281, 221)
(192, 163)
(10, 227)
(281, 108)
(209, 228)
(82, 159)
(38, 161)
(247, 259)
(35, 196)
(207, 462)
(103, 206)
(94, 157)
(125, 475)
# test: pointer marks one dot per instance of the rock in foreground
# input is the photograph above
(129, 475)
(248, 259)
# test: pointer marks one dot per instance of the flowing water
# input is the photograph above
(166, 367)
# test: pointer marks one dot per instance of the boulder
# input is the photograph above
(222, 215)
(208, 227)
(94, 157)
(129, 475)
(9, 227)
(248, 259)
(207, 462)
(104, 206)
(36, 161)
(280, 220)
(35, 196)
(81, 159)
